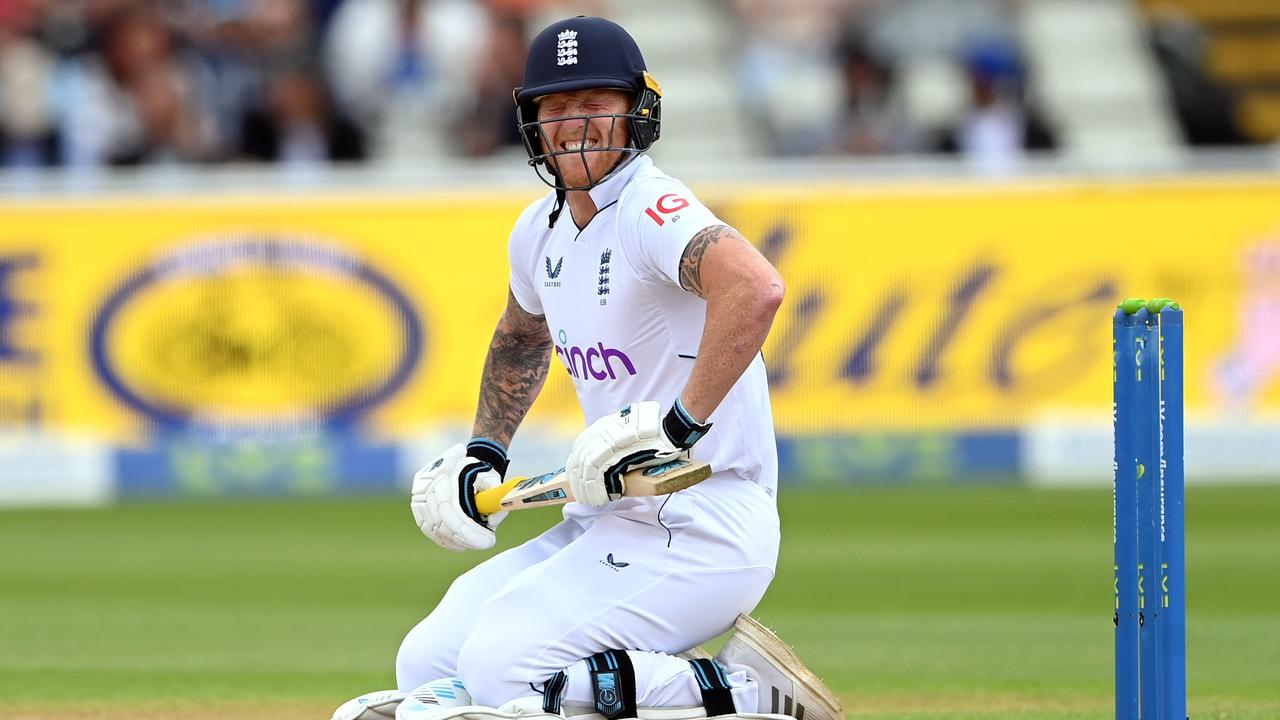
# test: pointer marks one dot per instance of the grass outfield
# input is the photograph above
(976, 603)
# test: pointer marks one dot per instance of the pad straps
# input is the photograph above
(613, 684)
(552, 691)
(714, 684)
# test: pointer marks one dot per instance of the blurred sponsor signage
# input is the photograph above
(255, 332)
(924, 328)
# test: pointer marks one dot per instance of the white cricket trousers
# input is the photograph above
(648, 578)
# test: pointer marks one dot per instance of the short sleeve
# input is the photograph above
(520, 255)
(665, 217)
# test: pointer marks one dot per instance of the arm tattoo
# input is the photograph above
(514, 372)
(691, 261)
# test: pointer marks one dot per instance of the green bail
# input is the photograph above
(1132, 305)
(1157, 304)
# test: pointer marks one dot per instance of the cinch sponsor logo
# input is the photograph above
(594, 362)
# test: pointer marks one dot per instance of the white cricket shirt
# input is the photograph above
(624, 330)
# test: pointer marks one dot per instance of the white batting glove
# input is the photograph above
(444, 492)
(636, 436)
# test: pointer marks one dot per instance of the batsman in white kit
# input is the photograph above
(657, 310)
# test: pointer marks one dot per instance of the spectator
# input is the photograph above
(490, 122)
(872, 122)
(241, 41)
(280, 29)
(28, 131)
(298, 124)
(998, 127)
(401, 65)
(139, 99)
(787, 78)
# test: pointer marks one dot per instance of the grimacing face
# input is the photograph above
(570, 136)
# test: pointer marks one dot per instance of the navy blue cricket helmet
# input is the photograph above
(583, 53)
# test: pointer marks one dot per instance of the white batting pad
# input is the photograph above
(531, 707)
(443, 698)
(379, 705)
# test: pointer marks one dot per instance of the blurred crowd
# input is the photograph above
(875, 77)
(94, 83)
(91, 83)
(908, 83)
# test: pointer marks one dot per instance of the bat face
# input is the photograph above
(534, 490)
(666, 467)
(537, 480)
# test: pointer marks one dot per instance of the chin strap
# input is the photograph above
(555, 209)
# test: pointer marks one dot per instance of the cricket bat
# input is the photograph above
(520, 493)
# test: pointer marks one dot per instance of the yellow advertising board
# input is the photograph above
(981, 308)
(908, 308)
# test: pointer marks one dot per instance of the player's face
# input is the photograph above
(591, 136)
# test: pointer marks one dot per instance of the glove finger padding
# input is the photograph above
(443, 501)
(630, 438)
(488, 481)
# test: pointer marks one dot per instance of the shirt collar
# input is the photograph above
(608, 191)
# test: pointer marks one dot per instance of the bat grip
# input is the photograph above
(489, 501)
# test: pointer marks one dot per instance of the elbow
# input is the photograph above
(775, 293)
(768, 299)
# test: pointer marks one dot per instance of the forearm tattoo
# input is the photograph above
(514, 371)
(691, 261)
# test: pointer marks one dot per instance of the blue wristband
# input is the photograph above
(490, 452)
(681, 429)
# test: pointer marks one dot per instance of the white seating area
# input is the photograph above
(1098, 81)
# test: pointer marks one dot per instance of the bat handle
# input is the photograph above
(489, 501)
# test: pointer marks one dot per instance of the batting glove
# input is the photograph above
(636, 436)
(444, 496)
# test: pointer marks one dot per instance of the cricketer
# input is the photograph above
(657, 310)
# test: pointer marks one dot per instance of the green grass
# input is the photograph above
(966, 603)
